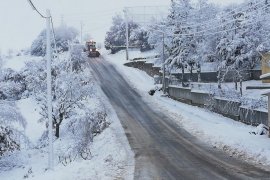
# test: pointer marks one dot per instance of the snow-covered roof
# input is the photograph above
(265, 76)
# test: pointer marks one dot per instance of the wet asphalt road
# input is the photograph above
(162, 149)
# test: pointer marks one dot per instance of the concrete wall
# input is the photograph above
(144, 66)
(181, 94)
(205, 76)
(228, 108)
(200, 98)
(253, 117)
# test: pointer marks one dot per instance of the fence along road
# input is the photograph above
(162, 149)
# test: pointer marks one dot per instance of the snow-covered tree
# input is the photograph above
(139, 37)
(116, 36)
(202, 32)
(63, 35)
(72, 86)
(12, 125)
(183, 44)
(69, 90)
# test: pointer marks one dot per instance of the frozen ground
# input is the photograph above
(112, 157)
(218, 131)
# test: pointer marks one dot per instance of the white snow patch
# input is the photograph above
(110, 161)
(30, 112)
(18, 62)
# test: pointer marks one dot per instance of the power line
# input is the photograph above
(224, 23)
(34, 8)
(51, 20)
(245, 21)
(226, 17)
(215, 32)
(216, 27)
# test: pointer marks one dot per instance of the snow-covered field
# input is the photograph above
(112, 157)
(18, 62)
(214, 129)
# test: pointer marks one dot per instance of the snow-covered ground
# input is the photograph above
(18, 62)
(112, 157)
(30, 111)
(214, 129)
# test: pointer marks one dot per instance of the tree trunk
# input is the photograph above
(219, 79)
(199, 74)
(191, 74)
(183, 73)
(57, 130)
(241, 87)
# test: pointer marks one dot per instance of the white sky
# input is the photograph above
(19, 24)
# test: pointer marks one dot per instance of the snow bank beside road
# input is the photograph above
(216, 130)
(112, 157)
(110, 161)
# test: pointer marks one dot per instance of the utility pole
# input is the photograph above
(127, 38)
(49, 79)
(163, 66)
(49, 87)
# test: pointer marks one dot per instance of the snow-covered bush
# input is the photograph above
(78, 135)
(12, 84)
(63, 35)
(77, 58)
(12, 125)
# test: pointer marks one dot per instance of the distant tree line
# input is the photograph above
(115, 39)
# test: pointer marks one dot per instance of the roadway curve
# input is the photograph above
(162, 149)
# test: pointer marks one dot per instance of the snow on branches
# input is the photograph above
(200, 32)
(75, 122)
(115, 39)
(63, 35)
(12, 125)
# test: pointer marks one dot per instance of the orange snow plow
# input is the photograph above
(91, 49)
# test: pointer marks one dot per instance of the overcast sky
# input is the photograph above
(20, 24)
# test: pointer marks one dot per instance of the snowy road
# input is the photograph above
(162, 149)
